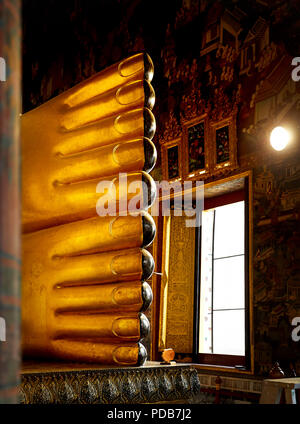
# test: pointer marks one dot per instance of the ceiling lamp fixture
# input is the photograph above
(280, 138)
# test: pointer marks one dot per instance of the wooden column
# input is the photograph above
(10, 98)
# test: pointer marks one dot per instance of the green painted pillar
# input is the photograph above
(10, 99)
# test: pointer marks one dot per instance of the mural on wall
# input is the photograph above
(222, 144)
(219, 60)
(173, 162)
(196, 147)
(276, 265)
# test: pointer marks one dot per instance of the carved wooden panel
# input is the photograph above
(177, 290)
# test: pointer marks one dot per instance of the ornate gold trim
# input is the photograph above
(164, 285)
(171, 131)
(154, 323)
(177, 287)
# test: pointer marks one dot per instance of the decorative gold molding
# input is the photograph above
(177, 289)
(172, 130)
(164, 285)
(223, 106)
(192, 105)
(155, 286)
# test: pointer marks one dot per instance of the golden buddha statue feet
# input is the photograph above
(94, 130)
(83, 288)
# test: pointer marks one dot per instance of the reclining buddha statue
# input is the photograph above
(84, 286)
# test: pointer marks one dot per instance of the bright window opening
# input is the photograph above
(222, 290)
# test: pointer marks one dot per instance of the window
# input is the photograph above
(221, 319)
(203, 286)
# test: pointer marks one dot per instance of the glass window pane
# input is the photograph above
(229, 230)
(205, 333)
(229, 333)
(227, 329)
(229, 283)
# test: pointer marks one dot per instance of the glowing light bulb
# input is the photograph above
(279, 138)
